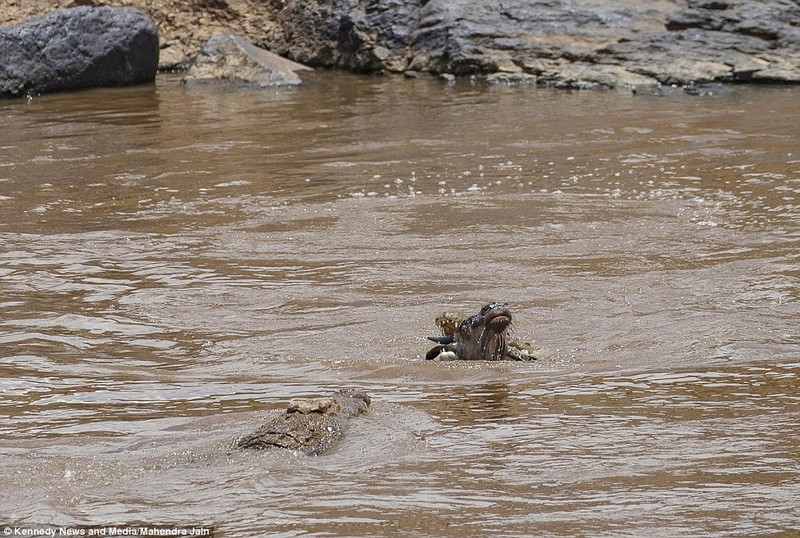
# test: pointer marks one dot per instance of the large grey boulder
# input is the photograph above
(83, 47)
(228, 57)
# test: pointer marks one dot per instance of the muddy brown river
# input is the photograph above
(176, 263)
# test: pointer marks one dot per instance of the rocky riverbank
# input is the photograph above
(599, 43)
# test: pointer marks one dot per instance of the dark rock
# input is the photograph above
(710, 4)
(229, 57)
(706, 90)
(310, 426)
(361, 35)
(83, 47)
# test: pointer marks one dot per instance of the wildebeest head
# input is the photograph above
(484, 335)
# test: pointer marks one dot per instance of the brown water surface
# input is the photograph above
(177, 262)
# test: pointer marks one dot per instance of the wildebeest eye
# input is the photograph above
(492, 305)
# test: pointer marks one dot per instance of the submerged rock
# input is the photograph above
(311, 426)
(228, 57)
(82, 47)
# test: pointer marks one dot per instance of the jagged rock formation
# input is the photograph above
(556, 42)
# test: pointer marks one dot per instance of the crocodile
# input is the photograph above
(311, 426)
